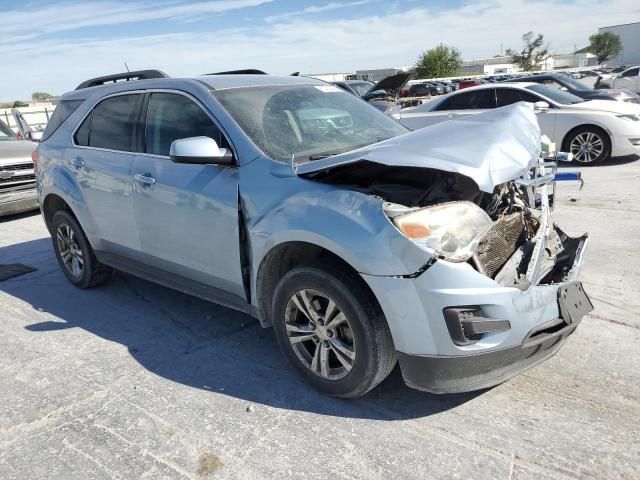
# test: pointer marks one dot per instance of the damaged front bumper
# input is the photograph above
(456, 329)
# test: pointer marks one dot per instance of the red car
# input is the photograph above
(471, 82)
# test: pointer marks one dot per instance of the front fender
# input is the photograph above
(350, 224)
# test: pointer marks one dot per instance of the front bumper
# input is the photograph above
(18, 201)
(429, 358)
(440, 374)
(624, 145)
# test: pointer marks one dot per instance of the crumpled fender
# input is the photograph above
(350, 224)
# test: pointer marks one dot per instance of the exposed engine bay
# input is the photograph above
(505, 251)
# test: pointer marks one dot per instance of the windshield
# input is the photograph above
(558, 96)
(573, 83)
(6, 133)
(360, 87)
(306, 121)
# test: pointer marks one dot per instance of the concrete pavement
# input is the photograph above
(133, 380)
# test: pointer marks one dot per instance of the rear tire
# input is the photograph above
(74, 254)
(332, 330)
(589, 145)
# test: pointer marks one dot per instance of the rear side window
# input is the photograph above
(63, 110)
(113, 124)
(471, 100)
(170, 117)
(507, 96)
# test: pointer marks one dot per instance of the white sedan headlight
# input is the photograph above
(453, 230)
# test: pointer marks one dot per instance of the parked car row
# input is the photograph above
(592, 130)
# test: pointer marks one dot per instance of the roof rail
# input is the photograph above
(125, 76)
(246, 71)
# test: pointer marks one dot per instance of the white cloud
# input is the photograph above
(308, 45)
(61, 17)
(316, 9)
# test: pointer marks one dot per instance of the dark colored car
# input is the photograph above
(578, 88)
(381, 95)
(425, 89)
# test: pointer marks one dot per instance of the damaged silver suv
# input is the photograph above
(361, 243)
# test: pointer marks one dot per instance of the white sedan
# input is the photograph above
(592, 130)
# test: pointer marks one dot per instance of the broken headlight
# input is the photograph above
(453, 230)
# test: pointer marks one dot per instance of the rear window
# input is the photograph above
(470, 100)
(63, 110)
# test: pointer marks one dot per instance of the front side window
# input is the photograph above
(631, 73)
(113, 123)
(172, 116)
(306, 122)
(470, 100)
(558, 96)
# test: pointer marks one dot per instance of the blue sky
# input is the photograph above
(54, 45)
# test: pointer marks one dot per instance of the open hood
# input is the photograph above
(391, 84)
(491, 148)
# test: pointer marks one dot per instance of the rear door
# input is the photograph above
(101, 160)
(187, 215)
(546, 118)
(468, 102)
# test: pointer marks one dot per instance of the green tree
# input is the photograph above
(41, 96)
(19, 103)
(440, 61)
(605, 45)
(532, 54)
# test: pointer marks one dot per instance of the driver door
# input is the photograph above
(186, 215)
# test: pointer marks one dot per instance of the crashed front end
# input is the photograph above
(510, 306)
(499, 291)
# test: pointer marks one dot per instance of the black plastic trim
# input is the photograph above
(455, 374)
(125, 76)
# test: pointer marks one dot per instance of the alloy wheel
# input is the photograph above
(586, 147)
(69, 250)
(320, 334)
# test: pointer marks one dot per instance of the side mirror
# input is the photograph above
(199, 150)
(541, 106)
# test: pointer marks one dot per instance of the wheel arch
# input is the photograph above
(285, 256)
(567, 135)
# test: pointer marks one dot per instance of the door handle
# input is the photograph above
(77, 162)
(146, 179)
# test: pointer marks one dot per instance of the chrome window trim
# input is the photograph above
(149, 91)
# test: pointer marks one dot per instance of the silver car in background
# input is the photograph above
(17, 176)
(361, 243)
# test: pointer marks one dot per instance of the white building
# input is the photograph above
(629, 34)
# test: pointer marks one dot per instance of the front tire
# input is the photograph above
(74, 254)
(332, 330)
(589, 145)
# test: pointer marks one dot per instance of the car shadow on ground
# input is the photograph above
(193, 342)
(611, 162)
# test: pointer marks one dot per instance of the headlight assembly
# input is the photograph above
(453, 230)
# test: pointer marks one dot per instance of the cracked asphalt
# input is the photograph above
(133, 380)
